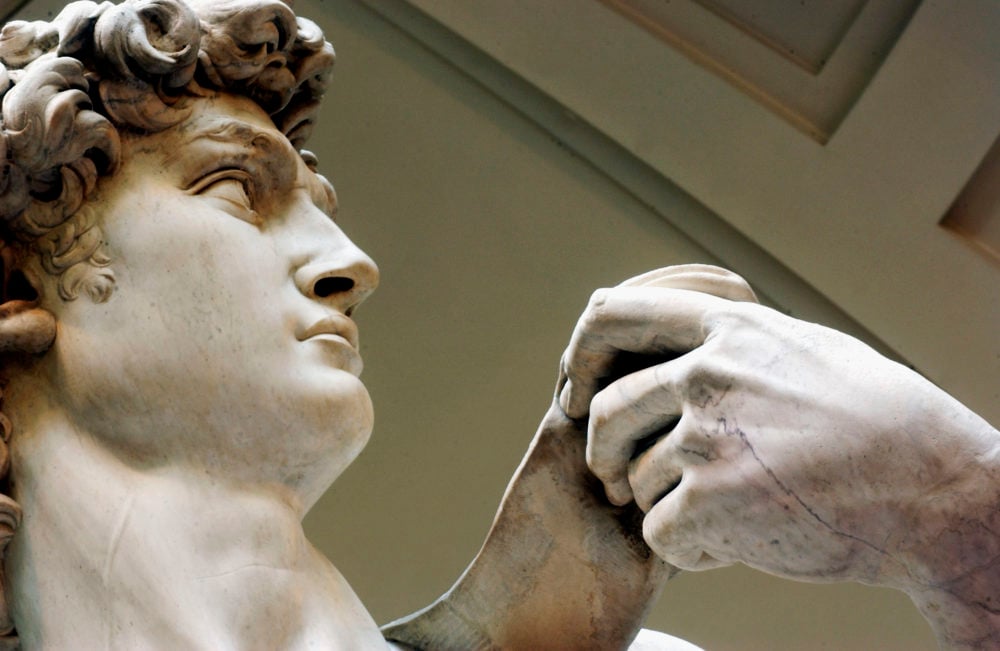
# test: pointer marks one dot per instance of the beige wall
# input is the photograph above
(857, 212)
(490, 236)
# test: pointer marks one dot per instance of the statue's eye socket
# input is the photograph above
(232, 191)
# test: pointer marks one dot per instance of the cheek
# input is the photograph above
(170, 349)
(209, 284)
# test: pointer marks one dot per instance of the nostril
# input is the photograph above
(326, 287)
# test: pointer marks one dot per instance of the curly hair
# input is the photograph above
(72, 87)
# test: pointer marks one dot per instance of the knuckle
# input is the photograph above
(595, 461)
(596, 309)
(696, 374)
(739, 315)
(708, 380)
(691, 495)
(571, 369)
(574, 362)
(603, 463)
(673, 533)
(600, 413)
(737, 288)
(603, 468)
(656, 531)
(598, 298)
(688, 439)
(742, 314)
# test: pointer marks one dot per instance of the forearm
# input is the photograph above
(961, 620)
(560, 565)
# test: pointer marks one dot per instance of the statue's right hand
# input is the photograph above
(778, 443)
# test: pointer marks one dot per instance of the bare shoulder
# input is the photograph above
(648, 640)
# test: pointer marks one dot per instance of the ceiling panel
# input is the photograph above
(975, 215)
(807, 61)
(858, 217)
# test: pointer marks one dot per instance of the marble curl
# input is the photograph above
(70, 88)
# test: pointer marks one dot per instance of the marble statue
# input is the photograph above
(181, 384)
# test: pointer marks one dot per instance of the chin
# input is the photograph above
(329, 443)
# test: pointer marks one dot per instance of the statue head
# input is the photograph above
(169, 259)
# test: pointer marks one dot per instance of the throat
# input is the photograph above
(110, 558)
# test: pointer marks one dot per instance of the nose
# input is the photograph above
(341, 275)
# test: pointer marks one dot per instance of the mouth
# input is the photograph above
(333, 327)
(338, 335)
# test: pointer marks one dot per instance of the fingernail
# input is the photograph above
(564, 397)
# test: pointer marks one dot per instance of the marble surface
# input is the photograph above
(183, 383)
(748, 436)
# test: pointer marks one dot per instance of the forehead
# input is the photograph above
(221, 120)
(222, 131)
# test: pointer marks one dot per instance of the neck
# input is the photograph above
(110, 556)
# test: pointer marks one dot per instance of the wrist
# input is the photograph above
(961, 616)
(954, 582)
(952, 552)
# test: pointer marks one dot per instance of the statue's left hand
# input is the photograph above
(562, 568)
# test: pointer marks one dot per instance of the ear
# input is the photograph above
(24, 326)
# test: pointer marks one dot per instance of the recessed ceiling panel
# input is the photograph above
(975, 215)
(805, 31)
(807, 60)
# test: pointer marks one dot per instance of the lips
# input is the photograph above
(334, 324)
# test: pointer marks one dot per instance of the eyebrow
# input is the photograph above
(237, 132)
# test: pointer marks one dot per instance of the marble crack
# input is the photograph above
(993, 610)
(698, 453)
(967, 573)
(709, 399)
(788, 491)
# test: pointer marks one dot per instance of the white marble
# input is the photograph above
(183, 382)
(749, 436)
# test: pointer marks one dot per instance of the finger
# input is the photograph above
(673, 527)
(704, 278)
(654, 473)
(642, 320)
(626, 413)
(658, 470)
(675, 271)
(693, 277)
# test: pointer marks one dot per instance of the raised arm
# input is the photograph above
(792, 448)
(562, 567)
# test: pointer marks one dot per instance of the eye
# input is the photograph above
(232, 191)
